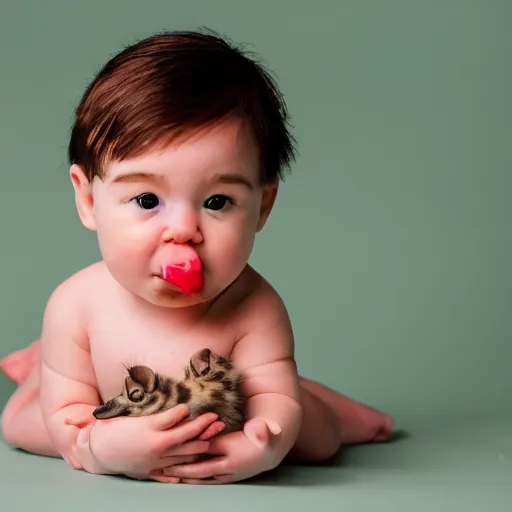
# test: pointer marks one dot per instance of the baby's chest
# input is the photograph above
(163, 347)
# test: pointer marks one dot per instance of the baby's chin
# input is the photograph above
(172, 298)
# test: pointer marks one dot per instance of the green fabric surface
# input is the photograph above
(438, 463)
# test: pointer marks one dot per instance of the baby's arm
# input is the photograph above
(68, 395)
(68, 383)
(265, 356)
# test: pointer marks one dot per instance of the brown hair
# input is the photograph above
(167, 85)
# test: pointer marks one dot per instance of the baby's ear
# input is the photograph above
(83, 196)
(267, 202)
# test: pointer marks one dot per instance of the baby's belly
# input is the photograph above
(114, 350)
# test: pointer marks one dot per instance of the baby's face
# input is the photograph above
(204, 190)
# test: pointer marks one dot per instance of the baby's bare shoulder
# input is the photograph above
(263, 306)
(72, 295)
(64, 340)
(266, 335)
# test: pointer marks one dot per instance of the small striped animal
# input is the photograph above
(211, 384)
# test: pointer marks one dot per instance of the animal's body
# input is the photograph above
(211, 384)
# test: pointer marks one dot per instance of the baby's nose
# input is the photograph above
(182, 228)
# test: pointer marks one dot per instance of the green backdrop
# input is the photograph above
(390, 241)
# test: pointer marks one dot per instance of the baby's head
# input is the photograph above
(181, 138)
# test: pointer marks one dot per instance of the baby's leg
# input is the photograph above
(331, 420)
(22, 421)
(359, 423)
(17, 365)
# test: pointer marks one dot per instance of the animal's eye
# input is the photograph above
(136, 395)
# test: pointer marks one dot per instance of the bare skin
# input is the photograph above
(121, 312)
(330, 419)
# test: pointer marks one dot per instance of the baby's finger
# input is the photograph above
(258, 432)
(167, 419)
(191, 429)
(80, 421)
(165, 479)
(203, 469)
(216, 480)
(168, 462)
(215, 428)
(190, 448)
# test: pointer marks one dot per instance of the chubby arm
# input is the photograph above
(265, 357)
(68, 384)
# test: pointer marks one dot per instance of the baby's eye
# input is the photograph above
(217, 202)
(136, 395)
(147, 201)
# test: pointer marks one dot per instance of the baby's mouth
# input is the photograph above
(186, 276)
(186, 273)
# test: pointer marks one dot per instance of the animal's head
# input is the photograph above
(140, 396)
(207, 365)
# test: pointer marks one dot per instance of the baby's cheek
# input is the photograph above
(233, 255)
(123, 249)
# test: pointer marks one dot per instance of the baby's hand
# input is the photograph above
(88, 420)
(136, 446)
(238, 456)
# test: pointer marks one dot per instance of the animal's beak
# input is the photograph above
(111, 409)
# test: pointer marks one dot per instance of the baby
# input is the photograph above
(177, 151)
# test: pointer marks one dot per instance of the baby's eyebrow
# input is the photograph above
(232, 178)
(137, 176)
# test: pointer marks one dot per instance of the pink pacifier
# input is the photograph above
(186, 271)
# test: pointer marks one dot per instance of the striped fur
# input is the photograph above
(211, 384)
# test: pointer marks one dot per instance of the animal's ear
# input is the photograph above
(200, 362)
(143, 377)
(133, 391)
